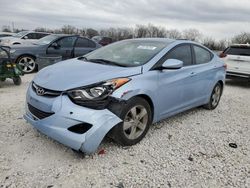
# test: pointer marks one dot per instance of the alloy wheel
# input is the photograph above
(135, 122)
(216, 95)
(27, 64)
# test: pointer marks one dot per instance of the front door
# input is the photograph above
(175, 86)
(64, 47)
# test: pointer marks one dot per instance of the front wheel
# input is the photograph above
(215, 97)
(137, 118)
(27, 64)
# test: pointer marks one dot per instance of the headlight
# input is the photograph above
(12, 51)
(96, 92)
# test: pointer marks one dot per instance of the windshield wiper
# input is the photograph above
(105, 62)
(83, 58)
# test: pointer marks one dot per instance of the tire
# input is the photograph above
(17, 80)
(215, 97)
(137, 117)
(27, 64)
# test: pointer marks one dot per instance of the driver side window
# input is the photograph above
(66, 42)
(182, 53)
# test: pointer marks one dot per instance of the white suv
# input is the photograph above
(237, 58)
(23, 37)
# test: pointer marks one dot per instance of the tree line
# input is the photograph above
(149, 30)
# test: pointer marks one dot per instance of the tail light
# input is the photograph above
(222, 55)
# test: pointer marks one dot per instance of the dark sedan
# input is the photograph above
(67, 46)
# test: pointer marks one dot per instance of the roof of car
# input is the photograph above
(165, 40)
(240, 45)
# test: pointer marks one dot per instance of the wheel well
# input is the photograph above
(221, 83)
(23, 55)
(150, 102)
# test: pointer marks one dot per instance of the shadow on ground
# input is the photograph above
(238, 82)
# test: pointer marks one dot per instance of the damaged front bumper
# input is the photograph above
(56, 116)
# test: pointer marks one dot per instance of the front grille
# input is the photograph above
(38, 113)
(46, 92)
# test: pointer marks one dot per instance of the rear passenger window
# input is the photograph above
(84, 43)
(182, 53)
(238, 50)
(201, 55)
(92, 44)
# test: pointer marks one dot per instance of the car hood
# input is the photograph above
(75, 73)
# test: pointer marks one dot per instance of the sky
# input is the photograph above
(214, 18)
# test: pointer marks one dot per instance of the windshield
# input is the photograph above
(46, 40)
(128, 53)
(20, 34)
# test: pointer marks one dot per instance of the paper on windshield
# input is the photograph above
(146, 47)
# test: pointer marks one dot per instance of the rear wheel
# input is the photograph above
(137, 118)
(17, 80)
(27, 64)
(215, 97)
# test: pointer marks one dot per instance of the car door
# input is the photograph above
(63, 47)
(83, 46)
(176, 86)
(204, 71)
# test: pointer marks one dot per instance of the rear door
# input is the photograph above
(64, 47)
(204, 71)
(238, 59)
(83, 46)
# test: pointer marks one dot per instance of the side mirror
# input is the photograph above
(172, 64)
(25, 37)
(55, 45)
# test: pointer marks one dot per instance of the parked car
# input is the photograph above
(6, 34)
(23, 37)
(237, 58)
(102, 40)
(121, 89)
(67, 46)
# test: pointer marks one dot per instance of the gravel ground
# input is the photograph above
(188, 150)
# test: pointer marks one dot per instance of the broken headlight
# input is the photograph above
(96, 94)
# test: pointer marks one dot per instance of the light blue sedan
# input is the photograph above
(121, 89)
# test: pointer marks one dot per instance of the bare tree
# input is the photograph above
(68, 29)
(173, 34)
(91, 32)
(213, 44)
(192, 34)
(242, 38)
(140, 31)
